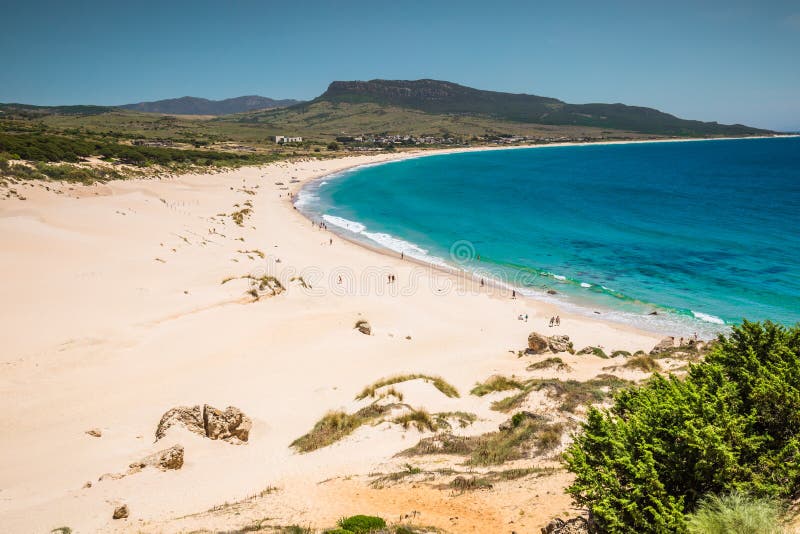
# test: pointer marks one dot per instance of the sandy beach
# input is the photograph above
(114, 311)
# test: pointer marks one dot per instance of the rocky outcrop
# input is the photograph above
(538, 344)
(576, 525)
(560, 343)
(165, 460)
(230, 425)
(364, 327)
(121, 512)
(95, 432)
(672, 345)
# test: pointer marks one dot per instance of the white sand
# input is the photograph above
(113, 311)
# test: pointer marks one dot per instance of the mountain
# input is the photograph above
(189, 105)
(446, 98)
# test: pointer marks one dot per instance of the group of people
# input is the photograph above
(392, 278)
(555, 321)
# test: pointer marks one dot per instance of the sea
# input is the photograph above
(672, 237)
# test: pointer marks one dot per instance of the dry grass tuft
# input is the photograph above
(438, 382)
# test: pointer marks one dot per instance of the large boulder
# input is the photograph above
(560, 343)
(537, 343)
(230, 425)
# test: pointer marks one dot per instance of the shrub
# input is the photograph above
(359, 524)
(732, 424)
(646, 364)
(736, 513)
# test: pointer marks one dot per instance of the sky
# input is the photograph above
(731, 62)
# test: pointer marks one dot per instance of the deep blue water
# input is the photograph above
(704, 233)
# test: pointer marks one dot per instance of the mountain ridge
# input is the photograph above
(442, 97)
(191, 105)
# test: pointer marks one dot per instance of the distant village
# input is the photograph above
(382, 141)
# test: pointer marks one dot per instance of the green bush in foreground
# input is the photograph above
(736, 513)
(733, 424)
(360, 524)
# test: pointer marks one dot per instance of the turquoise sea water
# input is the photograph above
(703, 233)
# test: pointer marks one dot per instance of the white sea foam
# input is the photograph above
(707, 318)
(584, 284)
(341, 222)
(559, 277)
(385, 240)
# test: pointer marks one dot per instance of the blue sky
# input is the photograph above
(725, 61)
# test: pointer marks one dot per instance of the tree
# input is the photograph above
(733, 424)
(333, 145)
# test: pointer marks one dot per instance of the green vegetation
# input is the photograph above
(336, 425)
(438, 382)
(495, 383)
(731, 425)
(464, 419)
(524, 433)
(553, 362)
(570, 393)
(41, 147)
(646, 364)
(361, 524)
(419, 419)
(736, 513)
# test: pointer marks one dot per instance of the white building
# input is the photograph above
(283, 139)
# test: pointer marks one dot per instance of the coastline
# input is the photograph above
(562, 307)
(136, 292)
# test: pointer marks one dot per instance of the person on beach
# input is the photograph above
(552, 320)
(402, 255)
(330, 241)
(481, 282)
(513, 294)
(558, 320)
(340, 279)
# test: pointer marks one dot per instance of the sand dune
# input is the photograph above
(114, 310)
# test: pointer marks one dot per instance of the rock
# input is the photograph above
(559, 343)
(165, 460)
(95, 432)
(230, 425)
(121, 512)
(189, 417)
(537, 343)
(87, 485)
(552, 292)
(665, 345)
(364, 327)
(576, 525)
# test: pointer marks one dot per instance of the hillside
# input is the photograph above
(445, 98)
(189, 105)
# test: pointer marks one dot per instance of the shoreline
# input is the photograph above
(150, 308)
(505, 288)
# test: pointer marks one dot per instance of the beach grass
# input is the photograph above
(439, 383)
(496, 383)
